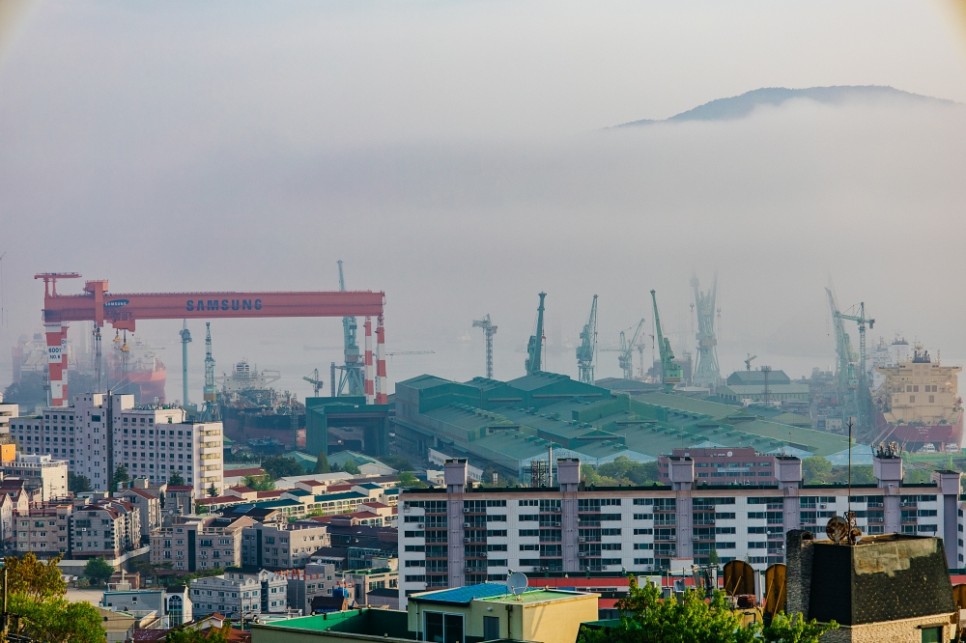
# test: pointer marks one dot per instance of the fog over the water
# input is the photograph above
(464, 166)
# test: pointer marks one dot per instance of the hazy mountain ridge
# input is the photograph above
(742, 106)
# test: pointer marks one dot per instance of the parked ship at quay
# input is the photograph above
(918, 403)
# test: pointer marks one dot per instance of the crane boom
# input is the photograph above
(671, 371)
(859, 381)
(588, 347)
(210, 413)
(535, 345)
(626, 357)
(351, 378)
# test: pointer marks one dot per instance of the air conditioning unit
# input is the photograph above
(467, 525)
(421, 526)
(466, 510)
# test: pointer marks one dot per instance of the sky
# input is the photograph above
(457, 157)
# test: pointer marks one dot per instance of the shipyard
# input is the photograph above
(482, 322)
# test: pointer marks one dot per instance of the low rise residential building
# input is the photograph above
(148, 504)
(200, 543)
(483, 612)
(172, 605)
(384, 574)
(239, 595)
(268, 546)
(43, 529)
(153, 442)
(44, 475)
(301, 500)
(304, 585)
(104, 528)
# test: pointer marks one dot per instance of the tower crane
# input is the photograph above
(626, 356)
(863, 398)
(706, 372)
(588, 347)
(185, 340)
(535, 345)
(489, 330)
(351, 378)
(671, 371)
(749, 360)
(210, 413)
(314, 381)
(844, 353)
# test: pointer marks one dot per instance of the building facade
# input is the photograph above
(239, 595)
(273, 547)
(150, 442)
(105, 528)
(43, 529)
(461, 535)
(723, 465)
(41, 473)
(200, 544)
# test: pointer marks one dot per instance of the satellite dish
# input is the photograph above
(516, 583)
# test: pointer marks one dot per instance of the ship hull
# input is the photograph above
(244, 425)
(943, 436)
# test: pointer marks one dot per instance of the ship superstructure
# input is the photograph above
(918, 404)
(253, 411)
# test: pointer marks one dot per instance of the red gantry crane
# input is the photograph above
(123, 311)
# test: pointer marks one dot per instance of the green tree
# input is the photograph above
(259, 483)
(213, 490)
(120, 476)
(191, 635)
(280, 466)
(98, 571)
(350, 466)
(36, 593)
(322, 464)
(795, 629)
(57, 620)
(176, 479)
(408, 480)
(34, 578)
(78, 483)
(816, 470)
(647, 618)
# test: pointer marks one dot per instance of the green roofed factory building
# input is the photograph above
(509, 425)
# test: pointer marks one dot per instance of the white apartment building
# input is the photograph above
(150, 442)
(239, 595)
(42, 473)
(462, 535)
